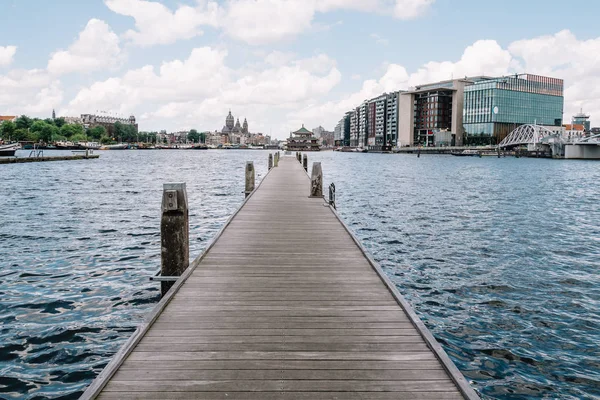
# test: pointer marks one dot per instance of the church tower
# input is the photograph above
(53, 114)
(238, 127)
(229, 121)
(245, 127)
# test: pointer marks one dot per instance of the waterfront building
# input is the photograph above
(391, 119)
(363, 121)
(106, 121)
(582, 119)
(302, 140)
(378, 125)
(337, 132)
(346, 129)
(342, 131)
(4, 118)
(354, 127)
(494, 107)
(432, 111)
(444, 113)
(318, 131)
(234, 127)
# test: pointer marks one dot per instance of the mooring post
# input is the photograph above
(250, 180)
(174, 233)
(270, 161)
(275, 160)
(316, 180)
(305, 162)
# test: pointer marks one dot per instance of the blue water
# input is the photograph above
(498, 256)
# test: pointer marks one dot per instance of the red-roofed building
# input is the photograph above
(11, 118)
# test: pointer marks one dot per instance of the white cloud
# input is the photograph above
(29, 92)
(197, 92)
(259, 22)
(484, 57)
(410, 9)
(96, 48)
(564, 56)
(7, 54)
(256, 22)
(157, 24)
(201, 74)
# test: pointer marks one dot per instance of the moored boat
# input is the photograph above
(121, 146)
(467, 153)
(8, 150)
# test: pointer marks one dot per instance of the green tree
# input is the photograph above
(7, 130)
(130, 134)
(23, 122)
(203, 137)
(20, 135)
(97, 132)
(193, 136)
(44, 130)
(119, 131)
(69, 130)
(106, 140)
(59, 122)
(33, 136)
(79, 137)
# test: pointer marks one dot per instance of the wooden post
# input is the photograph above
(270, 161)
(250, 180)
(316, 180)
(174, 233)
(275, 160)
(305, 162)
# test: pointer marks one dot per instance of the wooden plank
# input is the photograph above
(415, 338)
(156, 374)
(291, 308)
(240, 385)
(199, 332)
(281, 355)
(410, 363)
(278, 396)
(275, 346)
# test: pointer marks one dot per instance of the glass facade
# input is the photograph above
(433, 113)
(494, 107)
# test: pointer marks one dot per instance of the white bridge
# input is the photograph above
(539, 138)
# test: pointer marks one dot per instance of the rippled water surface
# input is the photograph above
(499, 257)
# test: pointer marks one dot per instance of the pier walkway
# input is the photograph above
(284, 305)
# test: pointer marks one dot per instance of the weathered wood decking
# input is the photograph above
(284, 305)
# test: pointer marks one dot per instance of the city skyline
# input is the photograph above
(178, 64)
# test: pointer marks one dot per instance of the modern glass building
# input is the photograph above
(496, 106)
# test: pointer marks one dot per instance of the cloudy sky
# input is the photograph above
(180, 64)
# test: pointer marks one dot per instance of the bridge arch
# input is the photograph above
(526, 134)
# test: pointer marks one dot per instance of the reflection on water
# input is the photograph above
(498, 256)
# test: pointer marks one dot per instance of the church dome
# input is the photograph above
(229, 121)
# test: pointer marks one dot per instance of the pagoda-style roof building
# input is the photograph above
(302, 140)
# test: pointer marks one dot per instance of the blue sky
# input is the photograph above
(279, 63)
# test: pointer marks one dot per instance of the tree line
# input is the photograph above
(26, 129)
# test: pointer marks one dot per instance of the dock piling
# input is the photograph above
(305, 162)
(270, 161)
(174, 233)
(275, 160)
(250, 178)
(316, 179)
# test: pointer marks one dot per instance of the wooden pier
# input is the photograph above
(21, 160)
(284, 304)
